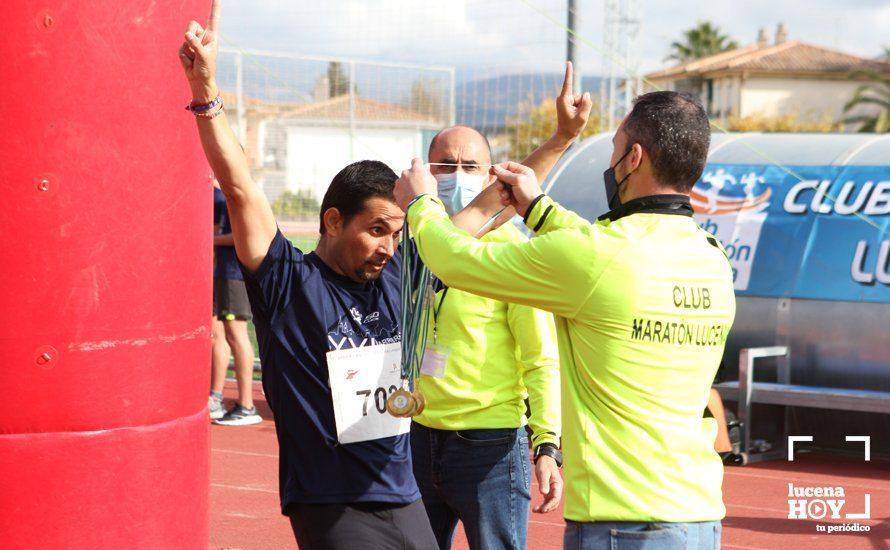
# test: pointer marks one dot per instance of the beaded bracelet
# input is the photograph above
(214, 114)
(205, 107)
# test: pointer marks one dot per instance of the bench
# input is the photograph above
(782, 392)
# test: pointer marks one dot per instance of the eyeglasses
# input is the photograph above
(451, 167)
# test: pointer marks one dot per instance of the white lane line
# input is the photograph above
(244, 488)
(547, 523)
(245, 453)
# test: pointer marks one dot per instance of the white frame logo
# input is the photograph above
(816, 503)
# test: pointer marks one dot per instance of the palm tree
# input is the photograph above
(701, 41)
(876, 92)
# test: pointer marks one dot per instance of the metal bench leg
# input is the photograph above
(746, 378)
(783, 376)
(746, 383)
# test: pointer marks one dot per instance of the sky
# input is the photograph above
(503, 36)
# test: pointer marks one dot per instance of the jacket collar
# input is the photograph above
(653, 204)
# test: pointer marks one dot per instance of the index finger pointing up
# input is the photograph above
(213, 23)
(567, 83)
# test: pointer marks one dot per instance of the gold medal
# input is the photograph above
(401, 403)
(420, 400)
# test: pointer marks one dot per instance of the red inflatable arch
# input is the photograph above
(105, 282)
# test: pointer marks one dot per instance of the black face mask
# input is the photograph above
(612, 185)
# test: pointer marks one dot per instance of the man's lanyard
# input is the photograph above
(436, 311)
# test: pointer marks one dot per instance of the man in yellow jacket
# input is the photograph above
(484, 358)
(644, 301)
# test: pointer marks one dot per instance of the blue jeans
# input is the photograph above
(619, 535)
(480, 477)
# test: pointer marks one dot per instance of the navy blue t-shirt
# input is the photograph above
(219, 205)
(302, 310)
(226, 260)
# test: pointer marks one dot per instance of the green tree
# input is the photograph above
(301, 205)
(703, 40)
(536, 123)
(338, 80)
(874, 95)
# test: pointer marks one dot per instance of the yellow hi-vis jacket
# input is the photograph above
(498, 354)
(644, 301)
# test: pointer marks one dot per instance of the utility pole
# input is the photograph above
(621, 59)
(571, 25)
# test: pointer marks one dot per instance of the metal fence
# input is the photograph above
(302, 118)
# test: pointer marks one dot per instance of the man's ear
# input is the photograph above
(636, 157)
(333, 221)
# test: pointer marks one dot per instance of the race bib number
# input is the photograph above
(361, 381)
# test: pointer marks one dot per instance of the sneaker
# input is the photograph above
(216, 408)
(239, 416)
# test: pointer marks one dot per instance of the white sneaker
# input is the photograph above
(239, 416)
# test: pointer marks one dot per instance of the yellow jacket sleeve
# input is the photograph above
(551, 272)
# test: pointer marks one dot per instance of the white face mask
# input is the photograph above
(458, 189)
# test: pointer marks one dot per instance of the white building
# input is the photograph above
(301, 147)
(787, 77)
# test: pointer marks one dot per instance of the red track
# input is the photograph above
(244, 510)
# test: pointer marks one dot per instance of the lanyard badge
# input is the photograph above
(435, 356)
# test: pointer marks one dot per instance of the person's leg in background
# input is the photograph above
(235, 314)
(220, 353)
(242, 351)
(219, 363)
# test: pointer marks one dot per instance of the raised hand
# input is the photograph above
(572, 110)
(198, 55)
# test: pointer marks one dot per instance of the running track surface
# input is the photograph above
(244, 511)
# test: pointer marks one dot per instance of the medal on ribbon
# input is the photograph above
(407, 401)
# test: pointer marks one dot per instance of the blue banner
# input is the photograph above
(820, 232)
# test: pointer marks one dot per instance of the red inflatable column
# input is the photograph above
(105, 282)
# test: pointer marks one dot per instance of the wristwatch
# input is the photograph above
(551, 450)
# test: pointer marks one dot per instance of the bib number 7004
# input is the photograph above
(380, 396)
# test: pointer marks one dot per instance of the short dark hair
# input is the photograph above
(439, 133)
(354, 185)
(674, 130)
